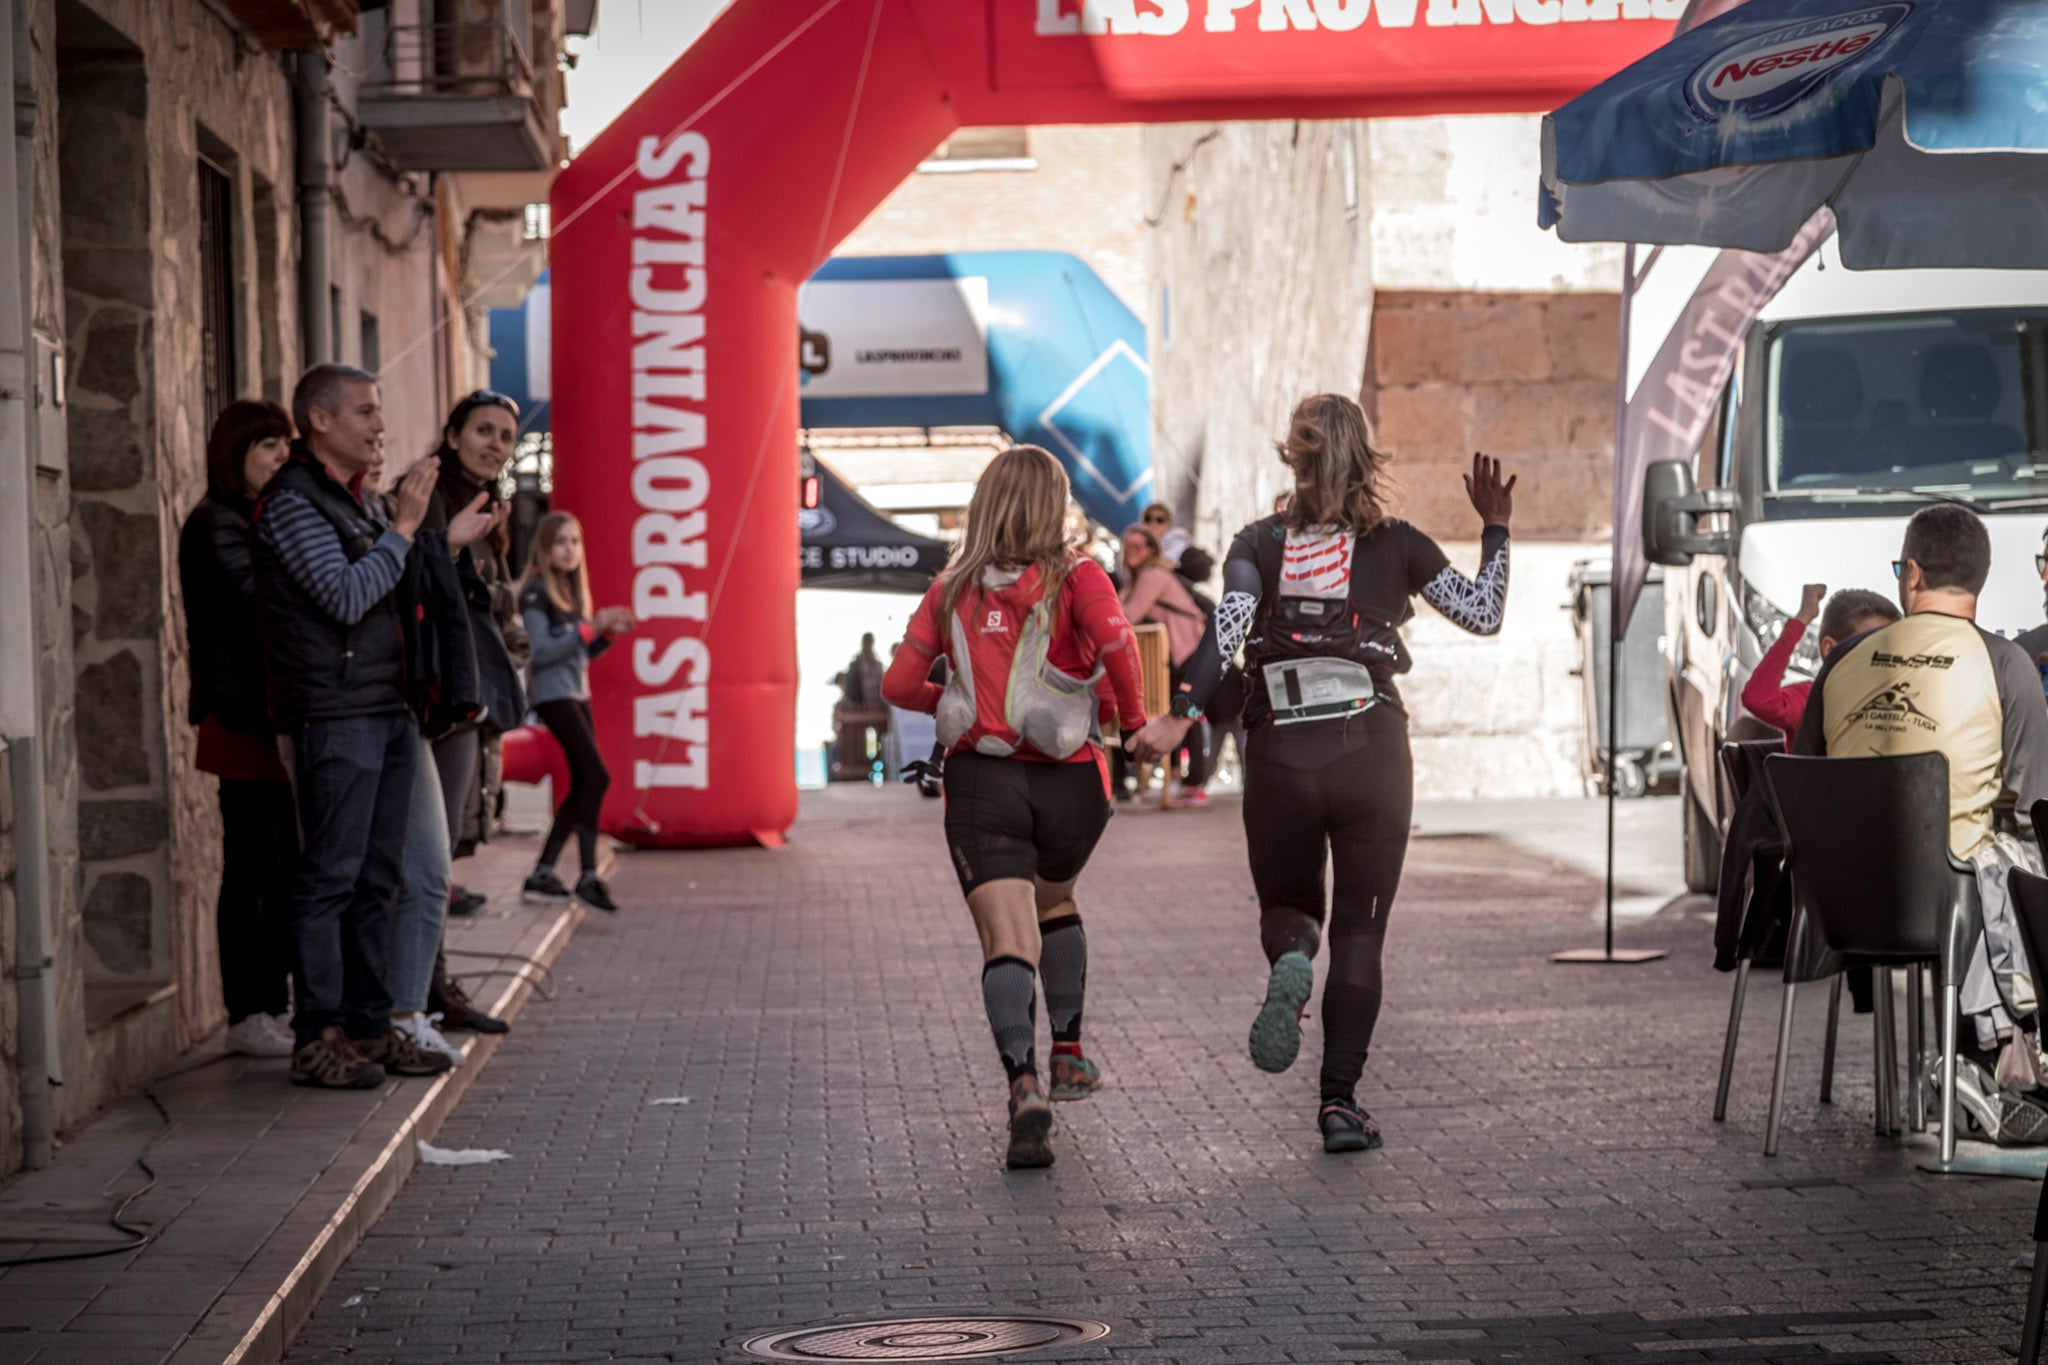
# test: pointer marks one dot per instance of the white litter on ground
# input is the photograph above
(460, 1156)
(673, 1099)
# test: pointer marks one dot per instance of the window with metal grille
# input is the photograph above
(217, 285)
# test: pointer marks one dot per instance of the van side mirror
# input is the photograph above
(1672, 507)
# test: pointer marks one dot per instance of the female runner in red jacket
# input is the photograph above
(1021, 821)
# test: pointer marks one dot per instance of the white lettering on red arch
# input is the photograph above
(669, 283)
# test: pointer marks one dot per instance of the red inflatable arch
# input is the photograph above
(681, 235)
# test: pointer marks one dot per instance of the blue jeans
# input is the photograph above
(423, 897)
(354, 781)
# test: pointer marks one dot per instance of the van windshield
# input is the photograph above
(1896, 407)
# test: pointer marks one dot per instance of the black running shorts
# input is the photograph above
(1015, 817)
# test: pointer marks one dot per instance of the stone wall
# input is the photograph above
(1525, 377)
(104, 175)
(10, 1024)
(1262, 261)
(129, 95)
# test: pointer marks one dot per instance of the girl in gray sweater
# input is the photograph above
(555, 606)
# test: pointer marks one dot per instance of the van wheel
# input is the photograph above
(1702, 849)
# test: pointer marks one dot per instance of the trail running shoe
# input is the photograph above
(1074, 1077)
(1347, 1128)
(1030, 1126)
(398, 1054)
(1276, 1033)
(331, 1062)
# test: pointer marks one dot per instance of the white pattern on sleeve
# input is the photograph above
(1477, 604)
(1233, 620)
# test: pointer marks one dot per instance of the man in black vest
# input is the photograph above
(326, 574)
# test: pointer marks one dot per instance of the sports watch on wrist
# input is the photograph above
(1185, 706)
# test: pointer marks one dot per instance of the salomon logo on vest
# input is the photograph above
(1773, 71)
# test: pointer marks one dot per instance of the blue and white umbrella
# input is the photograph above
(1922, 123)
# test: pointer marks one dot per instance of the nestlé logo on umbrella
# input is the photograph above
(1770, 72)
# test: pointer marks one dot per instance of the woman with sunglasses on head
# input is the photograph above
(1033, 632)
(1316, 596)
(476, 442)
(567, 634)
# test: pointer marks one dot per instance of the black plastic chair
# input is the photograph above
(1742, 769)
(1873, 884)
(2030, 908)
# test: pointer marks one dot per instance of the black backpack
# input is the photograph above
(1313, 627)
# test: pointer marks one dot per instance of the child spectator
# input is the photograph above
(1850, 612)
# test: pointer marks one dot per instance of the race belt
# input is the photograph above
(1318, 689)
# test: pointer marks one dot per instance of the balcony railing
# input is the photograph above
(460, 60)
(458, 97)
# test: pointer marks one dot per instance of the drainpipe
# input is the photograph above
(20, 696)
(316, 174)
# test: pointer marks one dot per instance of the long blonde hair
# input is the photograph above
(1337, 471)
(1017, 518)
(569, 591)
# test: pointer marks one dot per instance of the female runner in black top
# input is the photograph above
(1316, 595)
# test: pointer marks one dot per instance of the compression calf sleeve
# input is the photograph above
(1063, 965)
(1009, 988)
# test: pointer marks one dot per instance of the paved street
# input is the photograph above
(1552, 1187)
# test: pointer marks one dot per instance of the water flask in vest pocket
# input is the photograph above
(1050, 709)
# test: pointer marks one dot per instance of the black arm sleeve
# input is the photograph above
(1225, 630)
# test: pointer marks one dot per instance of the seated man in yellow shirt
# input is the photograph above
(1938, 682)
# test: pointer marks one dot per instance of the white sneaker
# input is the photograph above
(260, 1035)
(427, 1038)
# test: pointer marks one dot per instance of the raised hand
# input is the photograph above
(1492, 499)
(1810, 598)
(469, 525)
(414, 492)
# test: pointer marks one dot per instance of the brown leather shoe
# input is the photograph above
(401, 1056)
(458, 1011)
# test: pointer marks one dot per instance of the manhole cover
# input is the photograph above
(925, 1339)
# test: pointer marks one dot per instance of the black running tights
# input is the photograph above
(1353, 812)
(570, 723)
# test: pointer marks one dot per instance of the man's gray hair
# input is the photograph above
(323, 387)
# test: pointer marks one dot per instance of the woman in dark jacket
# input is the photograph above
(259, 836)
(475, 444)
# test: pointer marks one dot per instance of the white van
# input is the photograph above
(1858, 397)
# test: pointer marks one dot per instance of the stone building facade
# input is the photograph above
(166, 152)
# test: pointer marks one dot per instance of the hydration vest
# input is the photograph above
(1313, 653)
(1005, 693)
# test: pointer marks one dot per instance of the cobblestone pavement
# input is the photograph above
(1552, 1188)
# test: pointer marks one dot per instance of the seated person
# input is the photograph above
(1751, 827)
(1850, 612)
(1936, 681)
